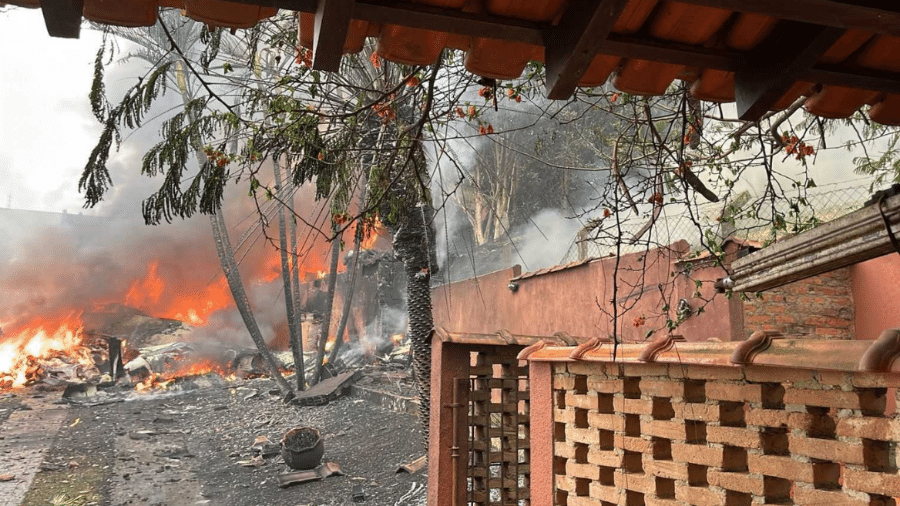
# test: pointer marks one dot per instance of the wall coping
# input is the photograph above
(505, 338)
(761, 349)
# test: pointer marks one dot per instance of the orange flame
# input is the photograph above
(20, 351)
(154, 295)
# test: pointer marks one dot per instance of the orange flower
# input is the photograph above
(614, 97)
(607, 213)
(412, 82)
(472, 111)
(321, 156)
(375, 59)
(510, 92)
(518, 98)
(460, 112)
(639, 321)
(486, 92)
(482, 130)
(490, 128)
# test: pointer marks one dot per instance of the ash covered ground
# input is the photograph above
(193, 448)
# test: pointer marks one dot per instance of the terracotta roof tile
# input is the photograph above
(840, 56)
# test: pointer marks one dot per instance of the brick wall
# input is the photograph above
(677, 434)
(818, 307)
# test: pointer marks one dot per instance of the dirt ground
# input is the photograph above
(188, 447)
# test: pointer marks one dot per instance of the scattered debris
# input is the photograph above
(265, 448)
(358, 495)
(320, 473)
(326, 391)
(257, 461)
(413, 467)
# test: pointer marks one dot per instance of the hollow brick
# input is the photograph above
(638, 482)
(767, 417)
(866, 400)
(662, 388)
(740, 482)
(696, 411)
(634, 444)
(605, 385)
(703, 455)
(582, 501)
(882, 429)
(604, 458)
(564, 449)
(633, 406)
(668, 429)
(586, 471)
(585, 401)
(666, 469)
(585, 436)
(807, 495)
(814, 424)
(566, 415)
(605, 493)
(734, 436)
(794, 470)
(658, 501)
(872, 482)
(563, 382)
(826, 449)
(697, 496)
(720, 391)
(606, 421)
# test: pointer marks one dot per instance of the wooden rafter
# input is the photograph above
(776, 64)
(332, 24)
(570, 46)
(62, 17)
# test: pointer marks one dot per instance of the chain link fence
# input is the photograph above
(753, 219)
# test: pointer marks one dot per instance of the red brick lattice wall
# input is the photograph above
(656, 434)
(499, 449)
(819, 307)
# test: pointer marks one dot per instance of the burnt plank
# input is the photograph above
(63, 17)
(571, 45)
(332, 24)
(773, 67)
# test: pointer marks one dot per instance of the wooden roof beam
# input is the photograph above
(331, 27)
(773, 67)
(63, 17)
(570, 46)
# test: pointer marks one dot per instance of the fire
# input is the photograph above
(372, 235)
(154, 295)
(21, 350)
(166, 378)
(397, 339)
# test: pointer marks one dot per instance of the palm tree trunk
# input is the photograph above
(412, 246)
(233, 276)
(348, 296)
(296, 345)
(295, 291)
(326, 318)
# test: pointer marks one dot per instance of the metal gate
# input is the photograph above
(499, 460)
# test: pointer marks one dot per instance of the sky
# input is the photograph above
(46, 126)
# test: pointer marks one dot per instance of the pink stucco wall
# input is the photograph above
(876, 295)
(576, 300)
